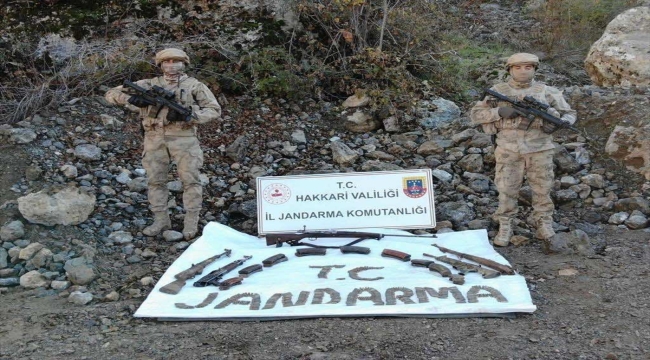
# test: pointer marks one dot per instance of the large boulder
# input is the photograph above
(620, 56)
(631, 145)
(70, 206)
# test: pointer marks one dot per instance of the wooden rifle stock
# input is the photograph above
(504, 269)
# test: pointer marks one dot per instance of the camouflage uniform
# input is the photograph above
(177, 141)
(523, 148)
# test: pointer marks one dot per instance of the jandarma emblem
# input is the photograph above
(277, 194)
(414, 187)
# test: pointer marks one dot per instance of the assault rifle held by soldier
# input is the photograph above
(159, 96)
(530, 108)
(175, 287)
(293, 239)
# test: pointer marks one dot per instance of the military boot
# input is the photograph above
(505, 232)
(161, 222)
(191, 224)
(545, 228)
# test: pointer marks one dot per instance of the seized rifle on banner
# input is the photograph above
(530, 108)
(159, 96)
(293, 239)
(464, 267)
(214, 276)
(175, 287)
(504, 269)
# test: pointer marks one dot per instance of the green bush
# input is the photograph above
(571, 26)
(273, 73)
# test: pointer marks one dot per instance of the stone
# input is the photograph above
(360, 122)
(636, 220)
(172, 235)
(459, 213)
(342, 154)
(110, 122)
(432, 147)
(79, 272)
(594, 180)
(375, 165)
(60, 285)
(33, 173)
(633, 203)
(442, 175)
(620, 57)
(29, 251)
(237, 149)
(138, 184)
(391, 124)
(33, 280)
(568, 181)
(631, 146)
(566, 164)
(437, 113)
(121, 237)
(356, 100)
(22, 136)
(70, 206)
(472, 163)
(618, 218)
(42, 258)
(298, 137)
(88, 152)
(3, 258)
(69, 171)
(464, 135)
(80, 298)
(112, 296)
(12, 231)
(565, 195)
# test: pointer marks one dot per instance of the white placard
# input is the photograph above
(337, 284)
(388, 199)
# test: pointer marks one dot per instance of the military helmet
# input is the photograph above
(172, 53)
(522, 58)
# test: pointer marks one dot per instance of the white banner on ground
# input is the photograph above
(337, 284)
(395, 199)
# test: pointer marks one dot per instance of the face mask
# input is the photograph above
(174, 68)
(522, 74)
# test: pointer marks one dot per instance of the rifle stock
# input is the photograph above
(504, 269)
(175, 286)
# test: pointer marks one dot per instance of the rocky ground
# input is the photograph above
(70, 291)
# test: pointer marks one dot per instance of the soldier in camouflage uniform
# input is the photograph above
(169, 138)
(524, 147)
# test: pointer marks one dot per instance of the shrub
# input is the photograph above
(571, 26)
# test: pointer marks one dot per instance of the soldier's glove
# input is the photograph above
(173, 115)
(507, 112)
(139, 101)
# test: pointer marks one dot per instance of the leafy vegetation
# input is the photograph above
(394, 50)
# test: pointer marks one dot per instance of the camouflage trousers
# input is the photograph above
(185, 151)
(509, 176)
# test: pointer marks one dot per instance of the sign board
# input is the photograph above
(387, 199)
